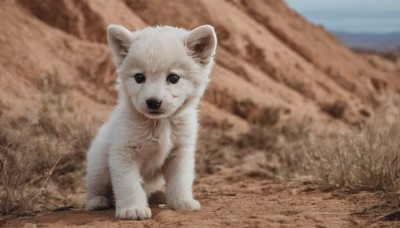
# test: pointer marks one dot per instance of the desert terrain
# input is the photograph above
(280, 87)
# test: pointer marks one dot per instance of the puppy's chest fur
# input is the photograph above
(151, 146)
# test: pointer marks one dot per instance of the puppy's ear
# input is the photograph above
(120, 39)
(201, 43)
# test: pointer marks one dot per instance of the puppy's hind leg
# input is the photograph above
(98, 177)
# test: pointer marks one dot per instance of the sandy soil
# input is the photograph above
(235, 203)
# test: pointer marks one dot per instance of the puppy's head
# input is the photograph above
(162, 70)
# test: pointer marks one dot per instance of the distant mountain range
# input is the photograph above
(368, 41)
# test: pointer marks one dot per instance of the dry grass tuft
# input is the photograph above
(47, 156)
(387, 208)
(366, 159)
(24, 174)
(215, 149)
(261, 145)
(272, 138)
(363, 159)
(42, 153)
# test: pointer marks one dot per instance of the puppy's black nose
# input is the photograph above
(153, 104)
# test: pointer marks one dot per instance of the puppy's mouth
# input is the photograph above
(156, 112)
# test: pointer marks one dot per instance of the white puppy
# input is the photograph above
(151, 134)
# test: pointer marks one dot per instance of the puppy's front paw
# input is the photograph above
(134, 213)
(98, 203)
(188, 204)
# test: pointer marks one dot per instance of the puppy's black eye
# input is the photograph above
(173, 78)
(139, 78)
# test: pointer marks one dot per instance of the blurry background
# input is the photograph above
(365, 25)
(279, 81)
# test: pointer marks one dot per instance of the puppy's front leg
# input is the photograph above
(131, 199)
(179, 175)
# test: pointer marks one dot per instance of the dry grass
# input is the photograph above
(28, 169)
(46, 157)
(365, 159)
(214, 149)
(272, 138)
(42, 153)
(261, 144)
(24, 171)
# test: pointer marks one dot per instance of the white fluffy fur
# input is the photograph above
(136, 152)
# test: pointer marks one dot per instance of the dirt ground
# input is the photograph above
(227, 202)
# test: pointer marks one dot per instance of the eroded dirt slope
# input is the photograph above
(268, 56)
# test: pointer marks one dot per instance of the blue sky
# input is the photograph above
(372, 16)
